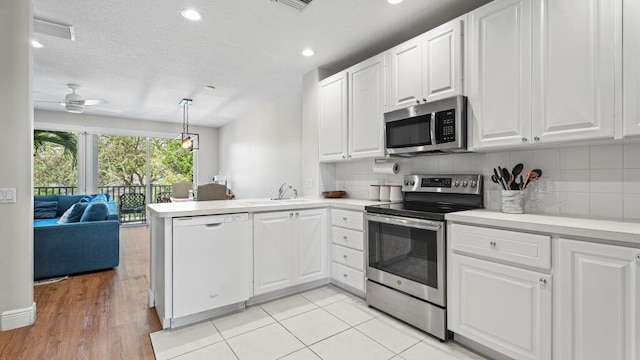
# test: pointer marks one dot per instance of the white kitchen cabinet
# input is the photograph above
(505, 308)
(574, 62)
(347, 245)
(630, 68)
(427, 67)
(542, 71)
(333, 117)
(499, 78)
(493, 299)
(367, 105)
(598, 291)
(290, 248)
(211, 262)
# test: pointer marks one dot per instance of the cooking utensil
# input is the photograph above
(538, 172)
(517, 170)
(506, 175)
(499, 177)
(521, 183)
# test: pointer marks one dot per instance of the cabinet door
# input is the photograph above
(630, 68)
(442, 61)
(574, 69)
(311, 239)
(273, 251)
(333, 117)
(499, 79)
(599, 301)
(406, 74)
(505, 308)
(368, 103)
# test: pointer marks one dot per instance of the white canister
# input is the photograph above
(374, 192)
(395, 193)
(513, 201)
(385, 192)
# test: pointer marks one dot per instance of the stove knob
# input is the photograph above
(473, 183)
(406, 182)
(456, 183)
(465, 183)
(412, 183)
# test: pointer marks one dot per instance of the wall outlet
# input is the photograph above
(309, 183)
(340, 184)
(542, 184)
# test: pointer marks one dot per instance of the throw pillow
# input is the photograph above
(45, 209)
(86, 199)
(99, 197)
(77, 210)
(95, 211)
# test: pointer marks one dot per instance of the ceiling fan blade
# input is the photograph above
(51, 102)
(45, 94)
(94, 102)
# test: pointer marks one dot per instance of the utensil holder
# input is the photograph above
(513, 201)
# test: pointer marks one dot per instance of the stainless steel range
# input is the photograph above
(406, 260)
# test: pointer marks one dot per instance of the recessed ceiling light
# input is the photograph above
(36, 44)
(307, 52)
(191, 14)
(210, 87)
(394, 2)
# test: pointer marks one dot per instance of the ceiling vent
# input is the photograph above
(296, 4)
(54, 29)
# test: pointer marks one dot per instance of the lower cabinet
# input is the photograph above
(347, 245)
(599, 301)
(290, 248)
(502, 307)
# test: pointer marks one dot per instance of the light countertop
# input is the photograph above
(197, 208)
(597, 229)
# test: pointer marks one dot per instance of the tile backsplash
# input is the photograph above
(600, 181)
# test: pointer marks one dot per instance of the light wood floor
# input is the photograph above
(102, 315)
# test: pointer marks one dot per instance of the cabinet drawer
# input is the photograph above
(508, 246)
(348, 276)
(349, 238)
(348, 257)
(347, 219)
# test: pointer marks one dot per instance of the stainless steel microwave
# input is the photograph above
(433, 127)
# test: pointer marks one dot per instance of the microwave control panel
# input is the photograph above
(445, 126)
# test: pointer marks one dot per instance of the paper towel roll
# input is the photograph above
(386, 168)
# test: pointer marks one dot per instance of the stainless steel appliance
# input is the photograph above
(434, 127)
(406, 261)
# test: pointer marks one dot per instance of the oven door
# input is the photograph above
(407, 254)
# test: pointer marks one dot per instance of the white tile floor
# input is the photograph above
(324, 323)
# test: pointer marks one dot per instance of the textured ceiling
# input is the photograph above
(143, 57)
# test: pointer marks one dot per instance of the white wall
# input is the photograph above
(207, 155)
(261, 151)
(597, 180)
(16, 143)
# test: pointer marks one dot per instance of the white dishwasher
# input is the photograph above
(211, 262)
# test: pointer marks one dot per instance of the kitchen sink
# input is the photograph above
(274, 201)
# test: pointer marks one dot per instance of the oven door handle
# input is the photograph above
(414, 223)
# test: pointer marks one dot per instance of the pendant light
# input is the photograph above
(189, 140)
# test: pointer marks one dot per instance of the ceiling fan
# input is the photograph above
(74, 103)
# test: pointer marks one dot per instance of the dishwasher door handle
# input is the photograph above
(215, 225)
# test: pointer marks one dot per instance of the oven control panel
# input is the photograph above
(454, 183)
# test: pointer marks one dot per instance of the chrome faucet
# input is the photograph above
(283, 189)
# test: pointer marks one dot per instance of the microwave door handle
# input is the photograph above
(432, 128)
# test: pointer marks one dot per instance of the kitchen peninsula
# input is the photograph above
(211, 257)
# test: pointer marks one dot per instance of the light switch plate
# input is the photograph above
(7, 195)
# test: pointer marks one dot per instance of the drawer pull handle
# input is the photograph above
(344, 275)
(637, 256)
(492, 244)
(344, 256)
(345, 237)
(543, 281)
(344, 218)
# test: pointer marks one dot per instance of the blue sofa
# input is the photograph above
(78, 247)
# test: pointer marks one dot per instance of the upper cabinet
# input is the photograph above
(630, 68)
(352, 107)
(428, 67)
(499, 79)
(333, 117)
(574, 66)
(542, 71)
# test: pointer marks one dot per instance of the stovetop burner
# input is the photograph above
(432, 197)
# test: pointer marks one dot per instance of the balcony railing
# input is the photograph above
(158, 192)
